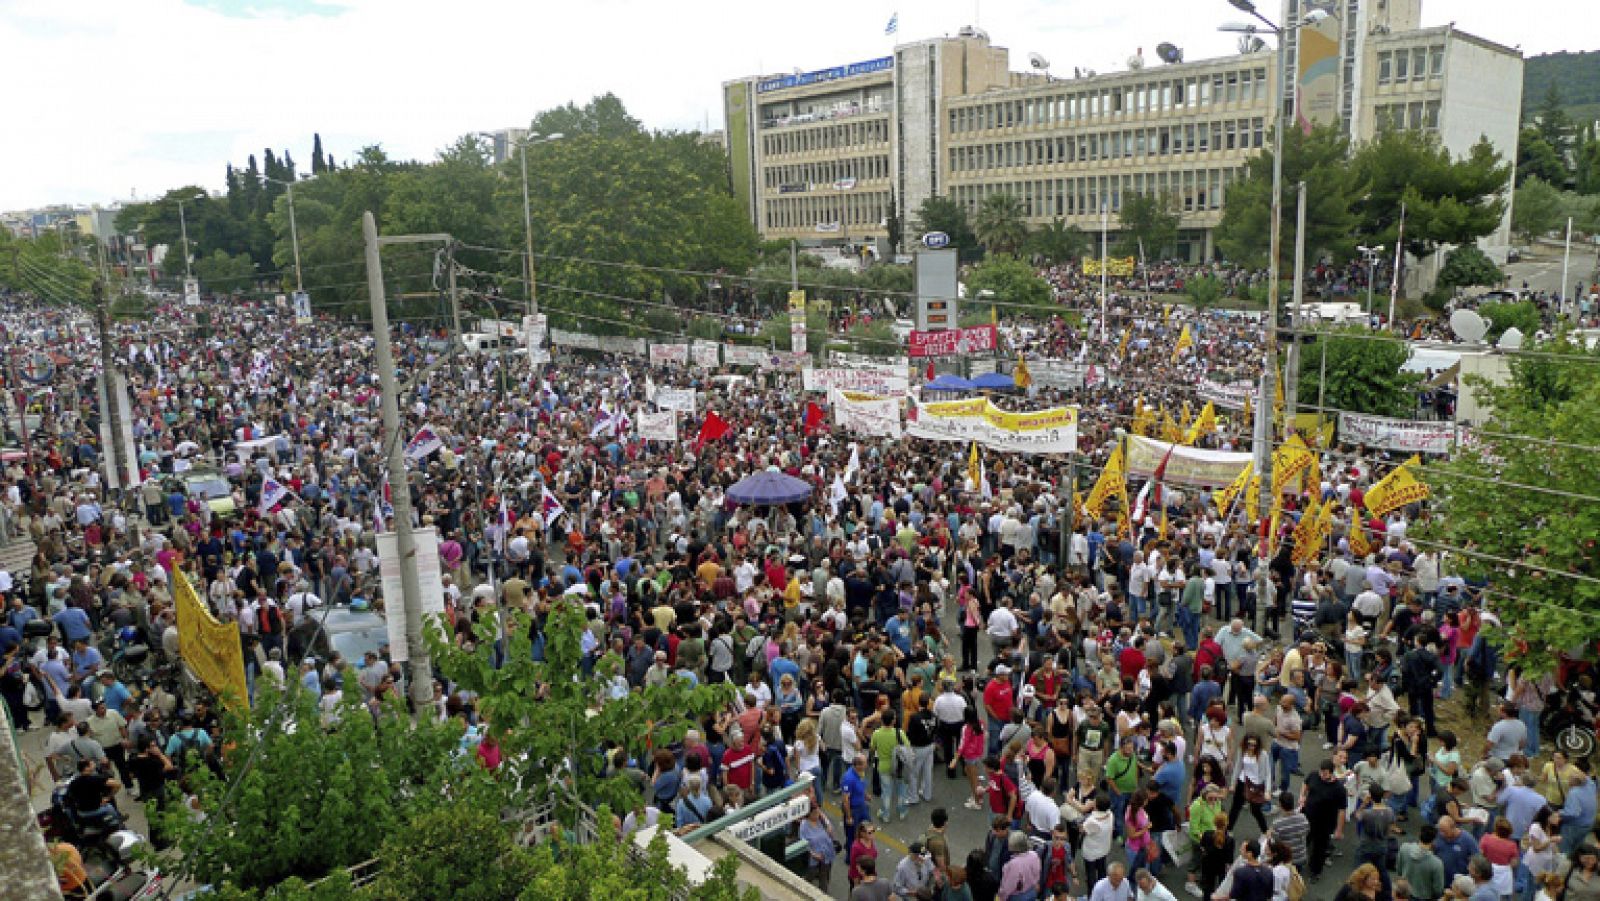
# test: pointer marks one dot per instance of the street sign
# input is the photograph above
(935, 240)
(772, 819)
(191, 292)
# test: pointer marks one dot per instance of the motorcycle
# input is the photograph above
(107, 848)
(1572, 718)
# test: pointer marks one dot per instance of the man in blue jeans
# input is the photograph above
(1286, 741)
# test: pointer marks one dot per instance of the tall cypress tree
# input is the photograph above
(318, 164)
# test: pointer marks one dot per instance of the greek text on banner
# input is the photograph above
(1050, 431)
(952, 342)
(1191, 466)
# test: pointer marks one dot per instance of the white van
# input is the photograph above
(480, 343)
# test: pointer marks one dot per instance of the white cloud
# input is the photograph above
(109, 97)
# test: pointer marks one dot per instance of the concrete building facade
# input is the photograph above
(824, 156)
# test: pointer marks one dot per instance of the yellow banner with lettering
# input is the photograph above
(210, 648)
(1118, 266)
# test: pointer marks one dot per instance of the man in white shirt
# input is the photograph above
(744, 576)
(1150, 889)
(1368, 606)
(1041, 810)
(302, 602)
(1002, 626)
(1140, 579)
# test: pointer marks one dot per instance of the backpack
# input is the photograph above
(1297, 884)
(186, 743)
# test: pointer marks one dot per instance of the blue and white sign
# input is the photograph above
(935, 240)
(804, 78)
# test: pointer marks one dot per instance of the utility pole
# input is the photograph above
(1105, 225)
(1566, 259)
(1291, 386)
(455, 298)
(1399, 258)
(111, 407)
(294, 239)
(421, 667)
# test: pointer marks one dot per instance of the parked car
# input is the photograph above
(211, 486)
(351, 632)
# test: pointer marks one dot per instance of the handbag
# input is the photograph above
(1255, 792)
(30, 696)
(1396, 781)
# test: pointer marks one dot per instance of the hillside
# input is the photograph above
(1576, 75)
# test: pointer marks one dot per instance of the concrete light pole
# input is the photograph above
(294, 234)
(183, 227)
(527, 208)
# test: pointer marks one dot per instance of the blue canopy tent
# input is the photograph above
(769, 489)
(950, 383)
(995, 381)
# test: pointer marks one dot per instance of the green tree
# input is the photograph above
(1467, 266)
(1204, 291)
(998, 224)
(603, 116)
(941, 214)
(1551, 118)
(1015, 284)
(1363, 374)
(601, 871)
(221, 272)
(1446, 201)
(1150, 221)
(294, 789)
(1537, 159)
(452, 851)
(1056, 243)
(1587, 159)
(1521, 315)
(555, 729)
(1321, 160)
(1536, 209)
(1540, 427)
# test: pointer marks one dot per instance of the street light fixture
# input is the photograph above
(294, 234)
(1370, 255)
(183, 227)
(527, 141)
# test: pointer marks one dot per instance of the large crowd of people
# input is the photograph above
(1117, 704)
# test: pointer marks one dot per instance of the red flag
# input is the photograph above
(813, 420)
(929, 376)
(713, 428)
(1159, 476)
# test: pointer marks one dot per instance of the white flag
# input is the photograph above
(837, 494)
(272, 494)
(854, 465)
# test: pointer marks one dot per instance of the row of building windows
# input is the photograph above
(1166, 140)
(1416, 64)
(785, 179)
(857, 210)
(1417, 115)
(1192, 190)
(1245, 85)
(846, 134)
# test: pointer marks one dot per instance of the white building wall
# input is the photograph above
(915, 135)
(1482, 98)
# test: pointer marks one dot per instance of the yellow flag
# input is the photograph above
(1122, 346)
(1112, 482)
(1186, 416)
(210, 648)
(1398, 488)
(1247, 417)
(975, 468)
(1359, 545)
(1185, 341)
(994, 317)
(1077, 508)
(1169, 429)
(1205, 424)
(1306, 544)
(1166, 313)
(1278, 404)
(1144, 418)
(1224, 497)
(1289, 462)
(1164, 524)
(1020, 375)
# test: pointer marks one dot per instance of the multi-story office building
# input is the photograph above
(824, 156)
(503, 143)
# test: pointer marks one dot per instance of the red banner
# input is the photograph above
(952, 342)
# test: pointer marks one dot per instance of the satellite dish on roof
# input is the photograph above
(1169, 53)
(1038, 61)
(1511, 340)
(1468, 326)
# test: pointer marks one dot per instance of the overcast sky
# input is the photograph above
(106, 100)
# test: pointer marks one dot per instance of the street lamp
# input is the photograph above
(294, 235)
(183, 226)
(1262, 428)
(527, 208)
(1370, 255)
